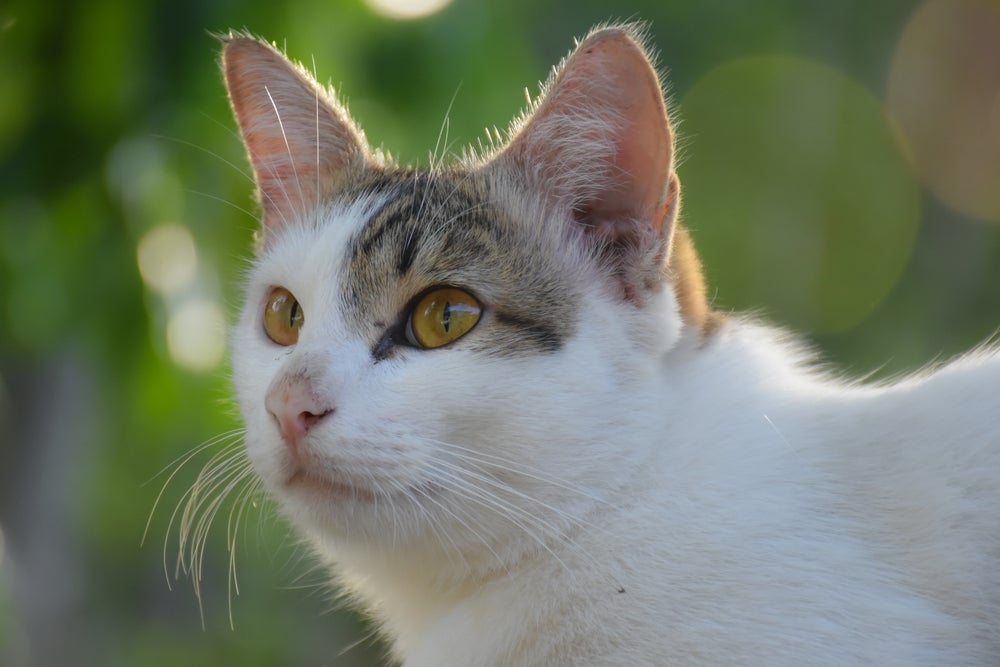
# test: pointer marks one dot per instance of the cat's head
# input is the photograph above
(437, 358)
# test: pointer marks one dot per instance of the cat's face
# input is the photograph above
(402, 433)
(438, 359)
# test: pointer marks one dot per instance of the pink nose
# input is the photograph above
(294, 405)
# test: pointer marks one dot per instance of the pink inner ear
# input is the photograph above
(643, 145)
(297, 139)
(601, 140)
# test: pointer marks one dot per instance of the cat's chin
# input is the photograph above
(303, 482)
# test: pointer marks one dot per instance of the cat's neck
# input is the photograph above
(738, 424)
(743, 369)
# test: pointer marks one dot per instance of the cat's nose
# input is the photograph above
(295, 407)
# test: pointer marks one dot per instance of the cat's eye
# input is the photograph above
(442, 316)
(282, 317)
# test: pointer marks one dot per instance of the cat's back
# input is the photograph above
(925, 464)
(843, 521)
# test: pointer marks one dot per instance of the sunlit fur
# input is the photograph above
(632, 487)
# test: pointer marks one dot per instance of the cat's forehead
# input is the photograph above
(450, 227)
(420, 211)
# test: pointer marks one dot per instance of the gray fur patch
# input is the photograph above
(444, 228)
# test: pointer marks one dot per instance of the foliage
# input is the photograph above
(800, 188)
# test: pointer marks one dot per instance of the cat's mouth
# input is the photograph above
(332, 489)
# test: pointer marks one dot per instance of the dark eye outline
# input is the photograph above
(400, 334)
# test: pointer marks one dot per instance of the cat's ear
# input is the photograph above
(599, 143)
(298, 138)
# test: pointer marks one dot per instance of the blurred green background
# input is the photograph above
(841, 166)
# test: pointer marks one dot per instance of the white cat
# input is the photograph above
(494, 397)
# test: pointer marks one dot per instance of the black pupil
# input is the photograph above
(446, 316)
(293, 313)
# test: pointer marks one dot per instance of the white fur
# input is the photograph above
(752, 511)
(647, 494)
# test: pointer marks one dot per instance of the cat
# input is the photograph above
(494, 398)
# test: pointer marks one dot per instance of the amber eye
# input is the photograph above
(282, 317)
(442, 316)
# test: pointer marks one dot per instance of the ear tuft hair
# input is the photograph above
(298, 137)
(598, 143)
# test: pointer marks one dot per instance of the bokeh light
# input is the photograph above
(168, 258)
(944, 91)
(407, 9)
(795, 191)
(196, 338)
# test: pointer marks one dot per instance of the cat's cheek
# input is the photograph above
(266, 458)
(252, 373)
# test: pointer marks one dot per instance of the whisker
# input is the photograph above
(507, 465)
(177, 464)
(479, 486)
(439, 533)
(192, 563)
(232, 529)
(190, 144)
(445, 471)
(443, 132)
(498, 484)
(222, 200)
(288, 149)
(197, 516)
(183, 458)
(226, 470)
(318, 171)
(226, 127)
(505, 510)
(369, 637)
(242, 172)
